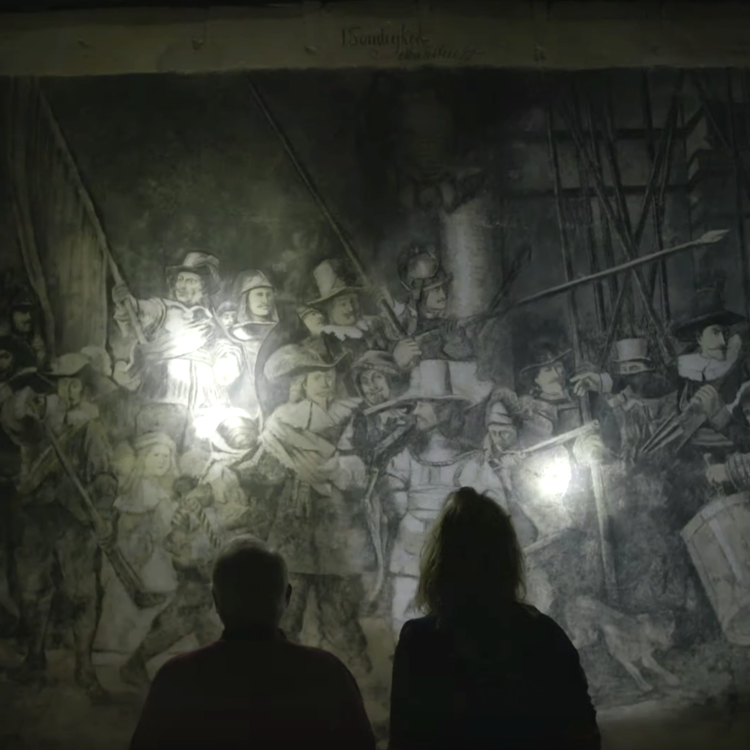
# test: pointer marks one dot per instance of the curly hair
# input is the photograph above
(472, 561)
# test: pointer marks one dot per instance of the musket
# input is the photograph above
(308, 182)
(90, 210)
(129, 578)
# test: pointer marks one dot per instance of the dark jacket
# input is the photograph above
(529, 691)
(254, 690)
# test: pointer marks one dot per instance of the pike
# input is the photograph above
(708, 238)
(307, 181)
(129, 578)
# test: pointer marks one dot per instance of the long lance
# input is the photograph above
(498, 311)
(90, 211)
(308, 182)
(709, 238)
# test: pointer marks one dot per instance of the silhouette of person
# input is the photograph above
(483, 669)
(253, 688)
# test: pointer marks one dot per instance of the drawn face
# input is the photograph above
(6, 362)
(713, 342)
(343, 310)
(157, 460)
(228, 318)
(260, 301)
(70, 391)
(374, 387)
(188, 288)
(314, 322)
(435, 302)
(551, 378)
(426, 414)
(319, 385)
(35, 404)
(22, 321)
(503, 436)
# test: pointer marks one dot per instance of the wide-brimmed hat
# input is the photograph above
(295, 359)
(329, 283)
(542, 356)
(75, 365)
(23, 354)
(204, 265)
(707, 310)
(376, 360)
(249, 280)
(441, 380)
(631, 357)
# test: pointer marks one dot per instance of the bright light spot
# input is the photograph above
(555, 475)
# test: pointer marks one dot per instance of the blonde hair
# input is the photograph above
(472, 563)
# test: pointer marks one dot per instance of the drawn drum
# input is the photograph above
(718, 539)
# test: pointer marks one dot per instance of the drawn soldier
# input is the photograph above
(378, 380)
(348, 334)
(16, 359)
(425, 314)
(643, 398)
(56, 525)
(314, 321)
(318, 522)
(226, 312)
(256, 317)
(25, 326)
(437, 461)
(711, 374)
(187, 363)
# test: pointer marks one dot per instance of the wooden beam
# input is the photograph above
(396, 35)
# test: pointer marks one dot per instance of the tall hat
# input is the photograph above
(543, 355)
(329, 283)
(420, 270)
(376, 360)
(707, 310)
(204, 265)
(295, 359)
(79, 365)
(248, 280)
(632, 357)
(441, 380)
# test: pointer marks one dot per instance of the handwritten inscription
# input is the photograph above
(406, 43)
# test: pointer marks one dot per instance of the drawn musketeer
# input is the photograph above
(187, 361)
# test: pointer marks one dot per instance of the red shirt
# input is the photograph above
(254, 690)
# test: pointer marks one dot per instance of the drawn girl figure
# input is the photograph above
(145, 511)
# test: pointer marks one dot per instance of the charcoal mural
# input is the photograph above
(309, 305)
